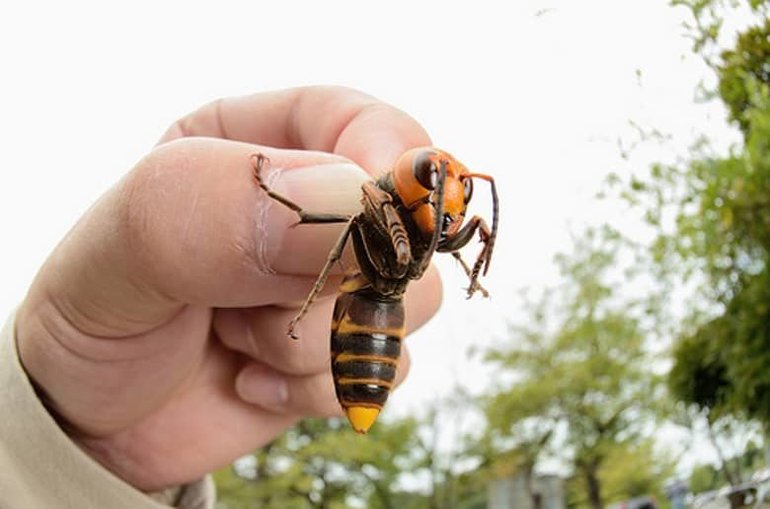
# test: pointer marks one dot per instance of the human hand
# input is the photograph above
(156, 331)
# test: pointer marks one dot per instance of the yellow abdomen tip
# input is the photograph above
(362, 418)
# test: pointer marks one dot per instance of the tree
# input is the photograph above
(453, 458)
(723, 366)
(712, 217)
(743, 72)
(719, 233)
(323, 464)
(635, 470)
(583, 385)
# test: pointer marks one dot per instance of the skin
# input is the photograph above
(156, 330)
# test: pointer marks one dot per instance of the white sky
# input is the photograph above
(536, 93)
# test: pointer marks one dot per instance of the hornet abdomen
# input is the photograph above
(367, 330)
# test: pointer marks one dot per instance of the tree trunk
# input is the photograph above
(593, 486)
(534, 496)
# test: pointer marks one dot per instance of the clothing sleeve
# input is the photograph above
(40, 467)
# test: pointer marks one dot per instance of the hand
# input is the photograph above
(156, 331)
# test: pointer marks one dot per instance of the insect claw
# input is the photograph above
(290, 332)
(476, 287)
(258, 161)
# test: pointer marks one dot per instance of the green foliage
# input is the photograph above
(744, 348)
(712, 215)
(708, 20)
(744, 72)
(723, 364)
(323, 464)
(699, 373)
(635, 470)
(629, 471)
(705, 478)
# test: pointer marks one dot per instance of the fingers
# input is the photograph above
(260, 333)
(189, 225)
(294, 376)
(197, 204)
(329, 119)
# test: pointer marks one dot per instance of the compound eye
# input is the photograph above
(467, 189)
(425, 170)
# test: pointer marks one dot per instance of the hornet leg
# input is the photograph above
(334, 255)
(468, 272)
(461, 239)
(258, 162)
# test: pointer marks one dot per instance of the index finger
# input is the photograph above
(326, 118)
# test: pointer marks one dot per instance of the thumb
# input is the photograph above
(189, 225)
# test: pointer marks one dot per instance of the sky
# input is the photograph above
(544, 95)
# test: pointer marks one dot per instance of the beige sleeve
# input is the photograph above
(40, 467)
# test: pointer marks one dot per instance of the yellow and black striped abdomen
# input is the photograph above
(365, 345)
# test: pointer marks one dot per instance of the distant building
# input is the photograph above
(512, 493)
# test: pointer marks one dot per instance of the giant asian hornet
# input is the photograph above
(409, 213)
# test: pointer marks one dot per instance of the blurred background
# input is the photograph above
(623, 355)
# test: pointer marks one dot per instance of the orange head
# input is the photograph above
(416, 175)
